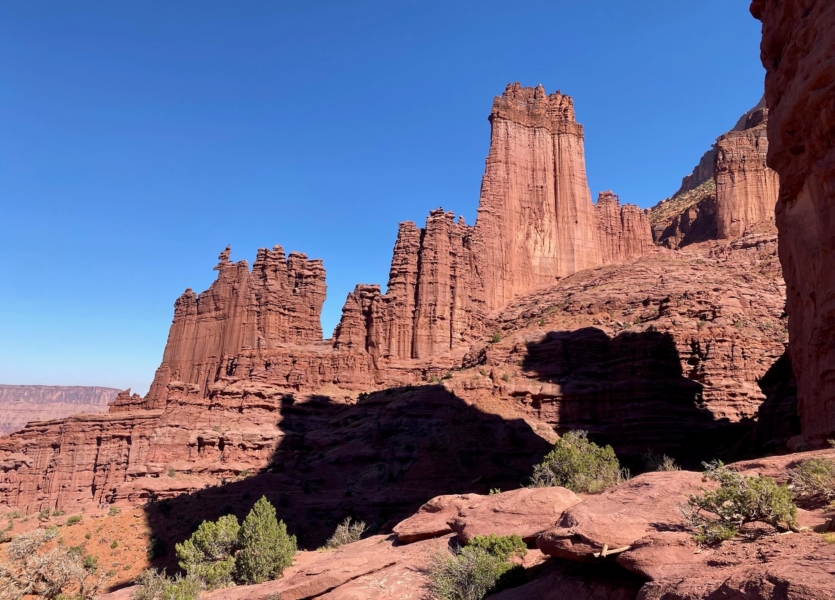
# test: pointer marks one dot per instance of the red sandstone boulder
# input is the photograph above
(616, 519)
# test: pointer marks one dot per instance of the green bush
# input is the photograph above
(345, 533)
(718, 515)
(154, 585)
(44, 515)
(659, 462)
(58, 513)
(114, 544)
(500, 546)
(813, 479)
(74, 520)
(579, 465)
(497, 337)
(265, 547)
(476, 570)
(209, 554)
(113, 511)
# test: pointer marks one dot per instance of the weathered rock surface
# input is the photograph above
(739, 192)
(526, 512)
(20, 404)
(279, 301)
(623, 231)
(746, 189)
(798, 52)
(619, 517)
(536, 221)
(666, 352)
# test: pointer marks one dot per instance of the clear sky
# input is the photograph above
(138, 139)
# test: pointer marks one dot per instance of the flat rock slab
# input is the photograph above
(649, 503)
(526, 512)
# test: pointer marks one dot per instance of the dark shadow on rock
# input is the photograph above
(777, 418)
(377, 461)
(629, 391)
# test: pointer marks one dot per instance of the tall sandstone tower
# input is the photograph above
(535, 216)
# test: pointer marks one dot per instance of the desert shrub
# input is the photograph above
(496, 338)
(475, 571)
(74, 520)
(265, 547)
(209, 554)
(44, 515)
(500, 546)
(494, 491)
(659, 462)
(345, 533)
(113, 511)
(579, 465)
(814, 479)
(114, 544)
(718, 515)
(30, 570)
(154, 585)
(58, 513)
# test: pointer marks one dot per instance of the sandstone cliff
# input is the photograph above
(535, 217)
(739, 193)
(280, 301)
(20, 404)
(798, 52)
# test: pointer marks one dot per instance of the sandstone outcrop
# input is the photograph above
(798, 53)
(279, 301)
(738, 194)
(623, 231)
(746, 189)
(536, 222)
(20, 404)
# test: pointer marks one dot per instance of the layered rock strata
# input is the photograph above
(20, 404)
(536, 222)
(740, 192)
(746, 189)
(279, 301)
(798, 52)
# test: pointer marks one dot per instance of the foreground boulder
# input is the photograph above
(615, 520)
(526, 512)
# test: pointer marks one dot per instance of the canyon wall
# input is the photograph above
(20, 404)
(798, 52)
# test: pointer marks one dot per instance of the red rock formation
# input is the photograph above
(798, 52)
(433, 299)
(739, 194)
(746, 189)
(535, 216)
(20, 404)
(623, 231)
(279, 302)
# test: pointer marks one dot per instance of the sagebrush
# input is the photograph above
(579, 465)
(814, 479)
(719, 515)
(346, 532)
(478, 569)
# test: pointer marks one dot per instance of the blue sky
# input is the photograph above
(138, 139)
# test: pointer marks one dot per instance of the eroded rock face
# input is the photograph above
(622, 230)
(536, 221)
(746, 189)
(280, 301)
(798, 52)
(737, 194)
(20, 404)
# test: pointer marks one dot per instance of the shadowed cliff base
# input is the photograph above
(377, 461)
(630, 391)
